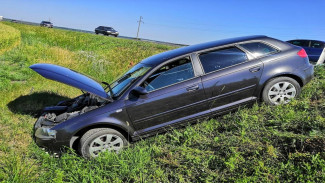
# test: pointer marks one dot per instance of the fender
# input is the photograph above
(273, 70)
(109, 115)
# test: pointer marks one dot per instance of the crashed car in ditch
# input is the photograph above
(170, 89)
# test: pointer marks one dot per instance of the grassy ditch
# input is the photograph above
(257, 144)
(9, 37)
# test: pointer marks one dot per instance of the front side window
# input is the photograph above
(303, 43)
(258, 49)
(171, 73)
(219, 59)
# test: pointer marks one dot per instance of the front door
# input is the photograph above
(174, 94)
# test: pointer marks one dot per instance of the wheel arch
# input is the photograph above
(290, 75)
(74, 141)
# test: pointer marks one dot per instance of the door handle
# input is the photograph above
(255, 69)
(192, 88)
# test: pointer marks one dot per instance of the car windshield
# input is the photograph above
(128, 78)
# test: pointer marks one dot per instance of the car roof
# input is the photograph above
(105, 27)
(305, 40)
(159, 58)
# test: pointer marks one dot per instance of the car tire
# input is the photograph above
(280, 90)
(99, 140)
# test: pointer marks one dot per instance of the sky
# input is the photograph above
(180, 21)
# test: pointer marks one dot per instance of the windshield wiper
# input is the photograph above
(110, 89)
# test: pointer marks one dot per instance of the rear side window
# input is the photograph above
(258, 48)
(219, 59)
(317, 44)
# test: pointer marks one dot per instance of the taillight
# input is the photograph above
(302, 53)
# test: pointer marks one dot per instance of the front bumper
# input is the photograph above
(51, 145)
(48, 142)
(113, 33)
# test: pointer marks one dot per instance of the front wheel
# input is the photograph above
(280, 91)
(98, 140)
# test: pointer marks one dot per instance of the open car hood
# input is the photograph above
(69, 77)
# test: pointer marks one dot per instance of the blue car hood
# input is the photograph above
(69, 77)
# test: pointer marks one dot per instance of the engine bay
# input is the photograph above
(68, 109)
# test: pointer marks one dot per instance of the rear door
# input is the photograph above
(230, 77)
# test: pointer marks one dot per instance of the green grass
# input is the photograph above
(258, 144)
(9, 37)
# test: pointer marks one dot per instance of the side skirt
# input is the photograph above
(191, 119)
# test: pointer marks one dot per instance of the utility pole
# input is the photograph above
(140, 21)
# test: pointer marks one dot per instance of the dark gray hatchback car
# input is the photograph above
(106, 31)
(170, 89)
(46, 24)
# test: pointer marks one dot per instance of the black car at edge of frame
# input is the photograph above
(170, 89)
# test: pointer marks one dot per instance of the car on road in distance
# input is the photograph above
(170, 89)
(313, 48)
(46, 24)
(106, 31)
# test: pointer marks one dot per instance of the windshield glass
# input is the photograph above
(128, 78)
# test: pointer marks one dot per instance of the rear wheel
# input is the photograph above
(98, 140)
(280, 91)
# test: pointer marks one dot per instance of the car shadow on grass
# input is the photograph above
(34, 103)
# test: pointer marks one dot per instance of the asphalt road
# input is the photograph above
(92, 32)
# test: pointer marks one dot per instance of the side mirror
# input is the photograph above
(140, 90)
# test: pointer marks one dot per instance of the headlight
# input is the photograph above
(49, 132)
(45, 133)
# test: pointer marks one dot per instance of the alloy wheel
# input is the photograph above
(282, 92)
(107, 142)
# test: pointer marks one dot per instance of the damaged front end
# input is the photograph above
(47, 131)
(66, 110)
(63, 111)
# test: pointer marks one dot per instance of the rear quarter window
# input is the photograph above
(259, 49)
